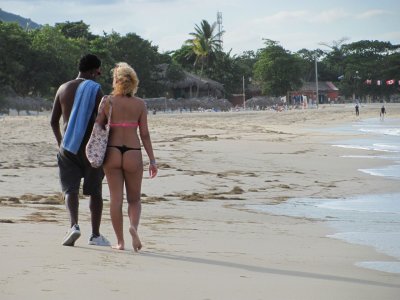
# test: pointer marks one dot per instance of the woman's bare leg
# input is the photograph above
(115, 179)
(133, 173)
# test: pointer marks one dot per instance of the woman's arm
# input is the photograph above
(102, 114)
(146, 141)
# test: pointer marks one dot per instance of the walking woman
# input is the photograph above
(123, 164)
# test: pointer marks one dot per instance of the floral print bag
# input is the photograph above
(97, 144)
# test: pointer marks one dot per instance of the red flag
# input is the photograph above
(390, 82)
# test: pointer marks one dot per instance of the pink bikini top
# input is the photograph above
(125, 124)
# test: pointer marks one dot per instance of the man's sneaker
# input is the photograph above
(72, 235)
(98, 240)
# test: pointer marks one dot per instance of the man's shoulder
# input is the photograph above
(70, 84)
(66, 91)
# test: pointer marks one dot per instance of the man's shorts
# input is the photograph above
(74, 167)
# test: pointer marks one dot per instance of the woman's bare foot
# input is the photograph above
(119, 246)
(137, 245)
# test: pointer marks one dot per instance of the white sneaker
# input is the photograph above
(72, 235)
(98, 240)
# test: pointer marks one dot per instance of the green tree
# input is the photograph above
(391, 70)
(104, 47)
(185, 57)
(308, 58)
(174, 72)
(277, 71)
(246, 62)
(56, 59)
(226, 70)
(334, 60)
(373, 60)
(3, 104)
(75, 30)
(205, 43)
(15, 55)
(143, 57)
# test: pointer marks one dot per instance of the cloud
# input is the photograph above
(301, 16)
(373, 13)
(282, 16)
(329, 16)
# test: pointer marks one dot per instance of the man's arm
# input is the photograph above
(55, 119)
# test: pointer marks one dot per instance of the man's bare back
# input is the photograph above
(63, 102)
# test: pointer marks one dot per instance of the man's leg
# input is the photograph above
(70, 178)
(92, 186)
(72, 204)
(96, 210)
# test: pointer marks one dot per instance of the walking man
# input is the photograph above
(77, 101)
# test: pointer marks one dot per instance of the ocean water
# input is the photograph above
(381, 138)
(372, 219)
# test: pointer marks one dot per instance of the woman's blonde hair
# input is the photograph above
(125, 80)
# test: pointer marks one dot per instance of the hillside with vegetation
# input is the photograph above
(23, 22)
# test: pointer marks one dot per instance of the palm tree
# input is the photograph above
(335, 57)
(204, 44)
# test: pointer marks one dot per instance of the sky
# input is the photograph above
(294, 24)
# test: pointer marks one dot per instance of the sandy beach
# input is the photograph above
(200, 238)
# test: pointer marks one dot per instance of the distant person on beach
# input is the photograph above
(77, 101)
(357, 109)
(123, 164)
(383, 112)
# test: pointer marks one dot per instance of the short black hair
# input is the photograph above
(89, 62)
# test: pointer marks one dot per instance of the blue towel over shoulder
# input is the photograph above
(84, 103)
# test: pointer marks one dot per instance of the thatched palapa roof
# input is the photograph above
(322, 86)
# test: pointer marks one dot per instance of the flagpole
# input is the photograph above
(316, 80)
(244, 97)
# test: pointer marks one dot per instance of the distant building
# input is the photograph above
(327, 92)
(187, 87)
(190, 85)
(236, 100)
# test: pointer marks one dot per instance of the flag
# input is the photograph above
(378, 82)
(368, 81)
(390, 82)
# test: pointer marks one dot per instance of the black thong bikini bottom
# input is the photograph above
(124, 148)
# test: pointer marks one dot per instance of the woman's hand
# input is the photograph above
(153, 170)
